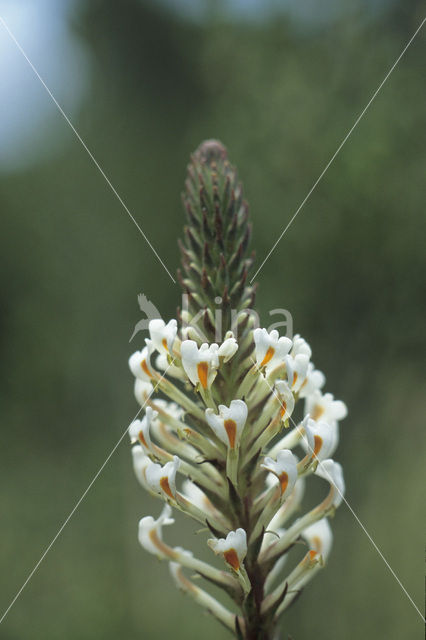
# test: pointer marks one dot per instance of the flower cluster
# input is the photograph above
(257, 458)
(235, 427)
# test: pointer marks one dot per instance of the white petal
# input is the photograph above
(234, 543)
(190, 359)
(230, 422)
(332, 472)
(140, 464)
(300, 346)
(142, 390)
(148, 526)
(319, 537)
(285, 468)
(322, 439)
(163, 335)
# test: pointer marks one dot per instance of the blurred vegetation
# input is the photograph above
(350, 269)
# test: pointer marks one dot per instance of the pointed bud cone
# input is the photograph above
(215, 256)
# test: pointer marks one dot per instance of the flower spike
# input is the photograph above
(224, 420)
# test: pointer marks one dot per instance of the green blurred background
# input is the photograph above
(280, 84)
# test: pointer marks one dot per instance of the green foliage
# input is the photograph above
(349, 269)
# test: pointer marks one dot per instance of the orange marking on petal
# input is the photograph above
(312, 555)
(317, 412)
(294, 380)
(164, 343)
(317, 445)
(283, 409)
(186, 584)
(142, 439)
(317, 543)
(161, 546)
(231, 558)
(283, 478)
(164, 484)
(231, 430)
(268, 356)
(144, 368)
(202, 370)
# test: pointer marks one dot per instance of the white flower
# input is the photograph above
(325, 407)
(140, 362)
(139, 429)
(285, 468)
(162, 480)
(150, 532)
(233, 548)
(297, 369)
(321, 438)
(140, 464)
(315, 379)
(230, 422)
(142, 391)
(300, 346)
(228, 347)
(332, 472)
(163, 335)
(286, 398)
(200, 364)
(319, 537)
(270, 349)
